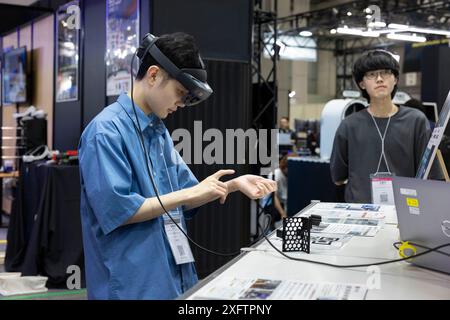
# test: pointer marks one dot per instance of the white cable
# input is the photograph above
(248, 249)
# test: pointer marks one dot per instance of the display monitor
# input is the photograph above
(15, 76)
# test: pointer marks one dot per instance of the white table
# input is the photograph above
(399, 280)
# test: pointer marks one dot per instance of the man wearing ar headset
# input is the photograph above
(133, 250)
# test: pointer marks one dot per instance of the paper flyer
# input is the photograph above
(272, 289)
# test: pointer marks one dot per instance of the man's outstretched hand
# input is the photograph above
(208, 190)
(254, 187)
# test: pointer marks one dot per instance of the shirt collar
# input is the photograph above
(150, 121)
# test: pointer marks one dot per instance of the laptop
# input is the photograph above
(423, 210)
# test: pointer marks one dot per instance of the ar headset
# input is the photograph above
(194, 80)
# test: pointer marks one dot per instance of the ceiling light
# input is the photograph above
(377, 24)
(370, 33)
(358, 32)
(430, 31)
(398, 26)
(406, 37)
(382, 31)
(306, 33)
(419, 30)
(346, 30)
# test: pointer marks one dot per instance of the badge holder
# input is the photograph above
(179, 244)
(381, 188)
(382, 191)
(177, 240)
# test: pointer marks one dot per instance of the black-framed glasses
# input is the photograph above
(372, 75)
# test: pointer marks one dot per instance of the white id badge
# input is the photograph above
(382, 190)
(179, 244)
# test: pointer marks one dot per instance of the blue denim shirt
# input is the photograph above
(132, 261)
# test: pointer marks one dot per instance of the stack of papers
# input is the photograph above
(364, 220)
(348, 229)
(320, 241)
(270, 289)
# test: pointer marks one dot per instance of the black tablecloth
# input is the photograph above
(44, 234)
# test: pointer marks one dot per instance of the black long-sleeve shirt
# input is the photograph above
(357, 149)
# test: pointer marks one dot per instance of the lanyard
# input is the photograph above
(178, 242)
(140, 135)
(382, 137)
(167, 172)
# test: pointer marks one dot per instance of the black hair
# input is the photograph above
(375, 60)
(178, 47)
(286, 118)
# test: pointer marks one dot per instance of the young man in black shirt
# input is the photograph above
(384, 138)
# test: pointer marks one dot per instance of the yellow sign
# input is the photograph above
(412, 202)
